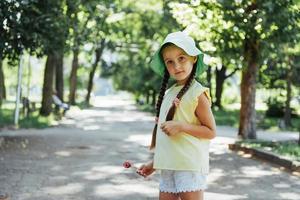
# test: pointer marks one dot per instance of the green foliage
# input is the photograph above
(36, 26)
(135, 38)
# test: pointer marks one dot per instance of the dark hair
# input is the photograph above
(180, 94)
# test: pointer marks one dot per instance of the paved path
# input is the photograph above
(81, 159)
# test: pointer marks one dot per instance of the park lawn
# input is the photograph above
(146, 108)
(287, 149)
(271, 123)
(230, 117)
(33, 121)
(227, 117)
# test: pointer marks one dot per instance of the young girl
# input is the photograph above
(184, 124)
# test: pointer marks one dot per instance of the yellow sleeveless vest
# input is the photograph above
(182, 151)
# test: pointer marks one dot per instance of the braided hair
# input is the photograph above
(180, 94)
(163, 89)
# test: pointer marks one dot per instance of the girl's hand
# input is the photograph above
(146, 169)
(171, 128)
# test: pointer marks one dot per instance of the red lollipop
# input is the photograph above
(127, 164)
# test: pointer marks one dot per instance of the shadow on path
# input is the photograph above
(82, 159)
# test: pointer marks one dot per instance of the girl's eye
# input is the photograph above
(181, 58)
(169, 62)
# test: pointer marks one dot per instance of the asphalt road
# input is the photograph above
(81, 159)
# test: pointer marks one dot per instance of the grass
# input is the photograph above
(288, 149)
(6, 117)
(82, 105)
(271, 123)
(146, 108)
(33, 121)
(227, 117)
(230, 117)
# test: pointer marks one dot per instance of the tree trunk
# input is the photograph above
(99, 52)
(91, 77)
(247, 126)
(46, 108)
(2, 84)
(73, 78)
(287, 112)
(153, 97)
(220, 79)
(59, 76)
(148, 97)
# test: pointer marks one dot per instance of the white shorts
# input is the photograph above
(175, 181)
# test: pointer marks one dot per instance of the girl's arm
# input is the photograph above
(207, 129)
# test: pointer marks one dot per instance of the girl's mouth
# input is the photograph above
(178, 72)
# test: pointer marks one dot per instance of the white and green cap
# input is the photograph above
(186, 43)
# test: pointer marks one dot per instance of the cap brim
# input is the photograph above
(201, 67)
(157, 64)
(189, 49)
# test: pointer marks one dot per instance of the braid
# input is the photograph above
(163, 89)
(180, 94)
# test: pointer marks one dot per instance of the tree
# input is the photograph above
(12, 42)
(98, 54)
(80, 15)
(37, 27)
(262, 26)
(136, 41)
(99, 36)
(292, 78)
(281, 72)
(59, 76)
(204, 20)
(54, 34)
(241, 29)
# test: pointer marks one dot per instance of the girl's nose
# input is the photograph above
(176, 65)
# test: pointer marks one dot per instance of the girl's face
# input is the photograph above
(178, 63)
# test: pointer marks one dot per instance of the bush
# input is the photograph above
(275, 108)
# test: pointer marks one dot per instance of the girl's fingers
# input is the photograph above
(140, 173)
(164, 129)
(141, 167)
(163, 125)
